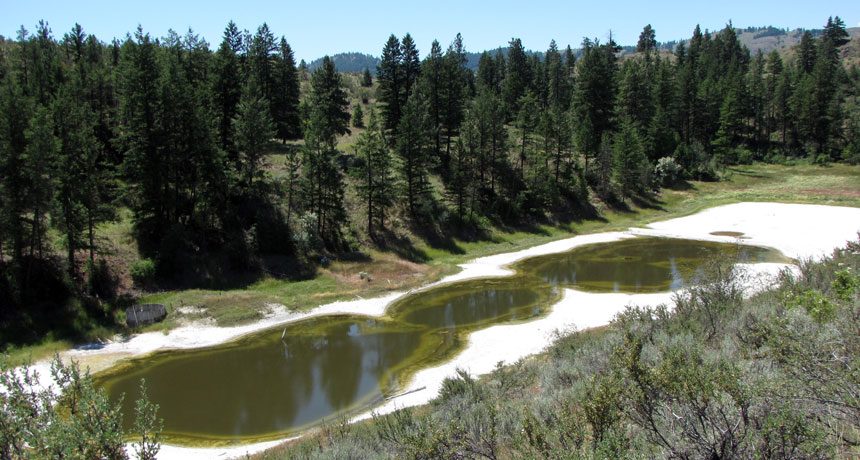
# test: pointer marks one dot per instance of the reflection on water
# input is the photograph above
(264, 385)
(639, 264)
(272, 384)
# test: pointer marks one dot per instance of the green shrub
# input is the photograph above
(143, 271)
(667, 171)
(77, 422)
(816, 305)
(845, 284)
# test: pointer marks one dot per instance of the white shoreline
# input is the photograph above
(798, 231)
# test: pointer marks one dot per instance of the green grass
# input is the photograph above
(833, 185)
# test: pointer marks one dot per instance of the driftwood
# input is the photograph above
(404, 393)
(141, 315)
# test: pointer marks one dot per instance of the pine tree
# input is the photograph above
(773, 74)
(226, 87)
(835, 32)
(453, 95)
(41, 152)
(432, 89)
(594, 96)
(322, 181)
(358, 116)
(376, 182)
(806, 52)
(366, 78)
(635, 97)
(629, 160)
(76, 162)
(254, 128)
(144, 166)
(462, 184)
(527, 120)
(518, 77)
(390, 78)
(647, 40)
(412, 151)
(411, 65)
(557, 79)
(261, 61)
(285, 95)
(14, 118)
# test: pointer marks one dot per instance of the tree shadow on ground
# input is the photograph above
(648, 200)
(743, 172)
(401, 245)
(681, 186)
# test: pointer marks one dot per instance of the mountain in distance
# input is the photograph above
(764, 39)
(349, 62)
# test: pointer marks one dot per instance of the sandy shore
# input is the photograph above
(799, 231)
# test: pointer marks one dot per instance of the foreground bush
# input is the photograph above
(77, 423)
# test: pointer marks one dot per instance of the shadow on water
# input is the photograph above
(281, 381)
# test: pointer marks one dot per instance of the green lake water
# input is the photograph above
(263, 386)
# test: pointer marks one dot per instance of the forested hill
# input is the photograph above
(212, 167)
(348, 62)
(764, 39)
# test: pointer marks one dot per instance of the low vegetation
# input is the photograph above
(715, 375)
(72, 419)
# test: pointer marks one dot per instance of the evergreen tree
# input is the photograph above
(261, 61)
(329, 97)
(629, 160)
(366, 78)
(411, 65)
(647, 40)
(834, 31)
(75, 167)
(594, 95)
(487, 73)
(806, 52)
(233, 38)
(41, 152)
(462, 185)
(557, 83)
(757, 94)
(14, 118)
(226, 87)
(433, 91)
(518, 77)
(773, 74)
(453, 95)
(389, 75)
(412, 152)
(144, 165)
(375, 174)
(635, 97)
(285, 95)
(358, 116)
(323, 182)
(527, 120)
(488, 114)
(254, 128)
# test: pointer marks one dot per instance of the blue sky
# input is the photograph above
(316, 28)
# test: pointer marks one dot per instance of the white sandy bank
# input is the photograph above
(799, 231)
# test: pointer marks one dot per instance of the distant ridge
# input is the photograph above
(349, 62)
(764, 39)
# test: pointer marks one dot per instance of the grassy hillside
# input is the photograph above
(408, 260)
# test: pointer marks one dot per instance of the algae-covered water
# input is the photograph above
(278, 382)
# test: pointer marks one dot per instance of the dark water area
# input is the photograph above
(325, 368)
